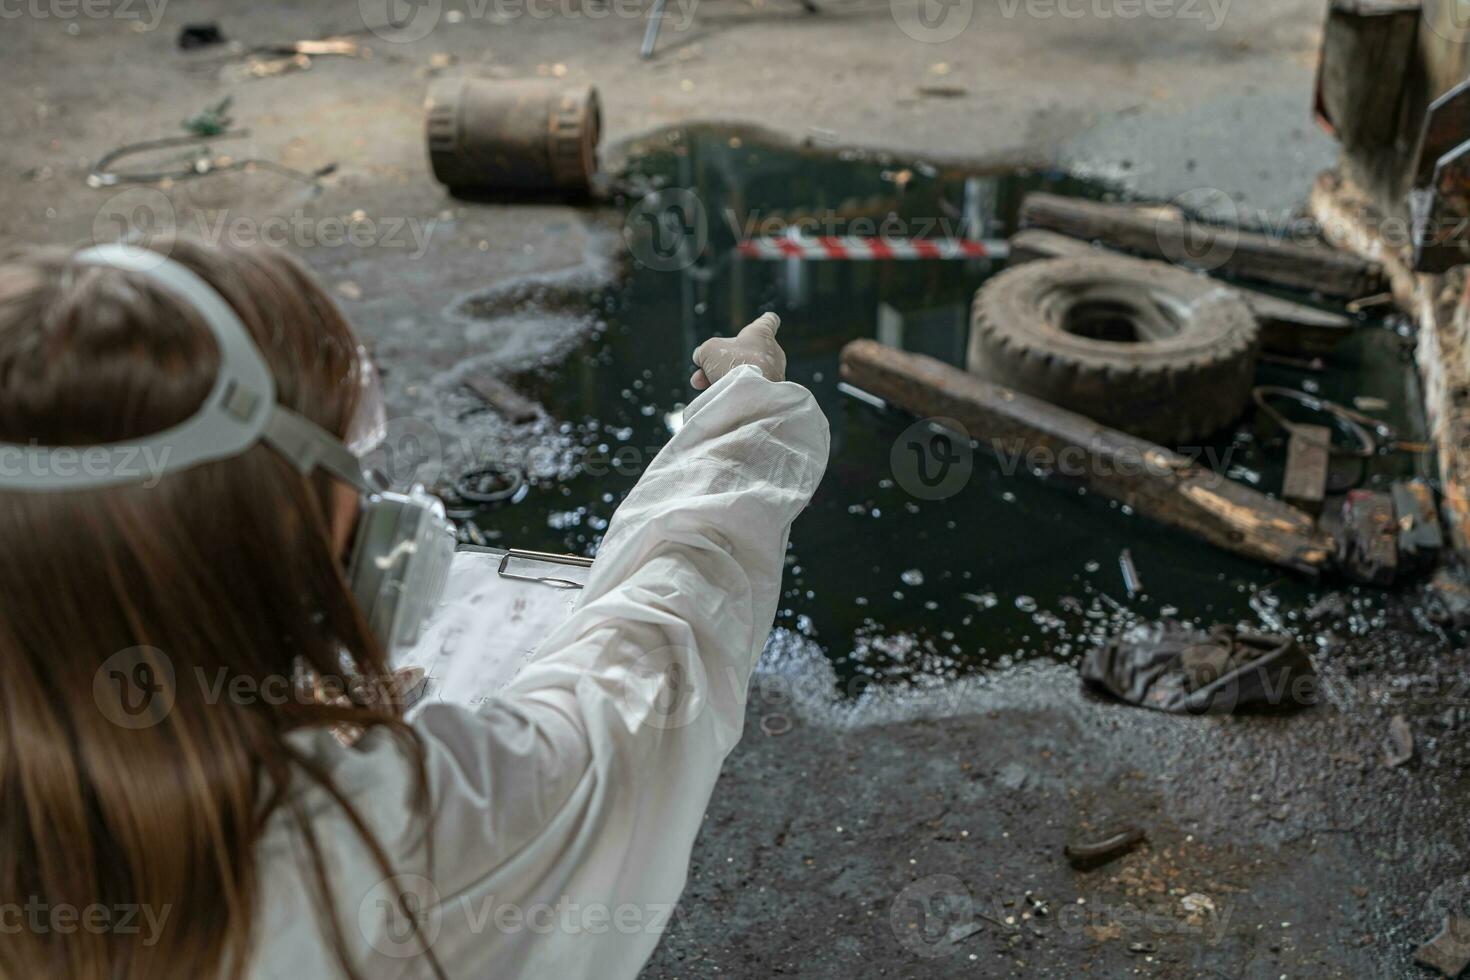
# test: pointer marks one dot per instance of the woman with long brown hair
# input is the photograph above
(192, 553)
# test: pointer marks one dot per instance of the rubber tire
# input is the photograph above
(1170, 391)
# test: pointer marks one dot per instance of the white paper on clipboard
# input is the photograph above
(488, 625)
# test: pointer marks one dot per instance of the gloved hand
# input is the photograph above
(755, 344)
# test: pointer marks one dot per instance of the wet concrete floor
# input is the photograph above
(888, 819)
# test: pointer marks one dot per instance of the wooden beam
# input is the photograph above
(1440, 308)
(1161, 233)
(502, 398)
(1156, 482)
(1293, 329)
(1366, 47)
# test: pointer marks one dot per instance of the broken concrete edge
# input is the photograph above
(1441, 314)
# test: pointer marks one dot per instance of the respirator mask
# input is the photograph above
(403, 542)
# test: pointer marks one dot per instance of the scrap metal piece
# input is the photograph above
(1439, 201)
(1308, 459)
(1420, 536)
(1450, 594)
(1446, 125)
(1441, 213)
(1370, 551)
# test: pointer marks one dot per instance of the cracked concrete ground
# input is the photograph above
(820, 844)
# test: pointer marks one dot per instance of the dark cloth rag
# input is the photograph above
(1170, 667)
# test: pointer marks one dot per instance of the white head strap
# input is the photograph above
(239, 411)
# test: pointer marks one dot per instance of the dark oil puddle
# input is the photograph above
(893, 587)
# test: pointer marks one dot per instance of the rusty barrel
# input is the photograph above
(513, 135)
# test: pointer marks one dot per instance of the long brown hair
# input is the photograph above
(227, 568)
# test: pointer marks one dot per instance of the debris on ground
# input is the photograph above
(488, 485)
(1449, 951)
(1197, 904)
(204, 162)
(1420, 536)
(1131, 581)
(192, 36)
(776, 724)
(1096, 848)
(1449, 592)
(502, 399)
(211, 121)
(1308, 460)
(1399, 747)
(271, 67)
(1170, 667)
(1369, 545)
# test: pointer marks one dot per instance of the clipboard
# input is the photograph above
(499, 605)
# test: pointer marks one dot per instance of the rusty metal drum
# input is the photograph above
(499, 135)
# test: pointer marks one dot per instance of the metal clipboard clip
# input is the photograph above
(546, 558)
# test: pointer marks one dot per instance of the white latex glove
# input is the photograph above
(755, 344)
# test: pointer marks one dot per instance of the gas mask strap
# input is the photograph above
(307, 445)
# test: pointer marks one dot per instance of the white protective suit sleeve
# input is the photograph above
(577, 794)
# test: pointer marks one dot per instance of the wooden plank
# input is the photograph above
(1156, 482)
(1287, 327)
(1366, 49)
(502, 398)
(1308, 458)
(1161, 234)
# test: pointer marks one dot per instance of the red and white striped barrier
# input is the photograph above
(854, 249)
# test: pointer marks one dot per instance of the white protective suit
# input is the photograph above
(564, 811)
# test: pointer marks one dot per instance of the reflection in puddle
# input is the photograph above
(892, 586)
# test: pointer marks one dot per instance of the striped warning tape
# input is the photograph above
(855, 249)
